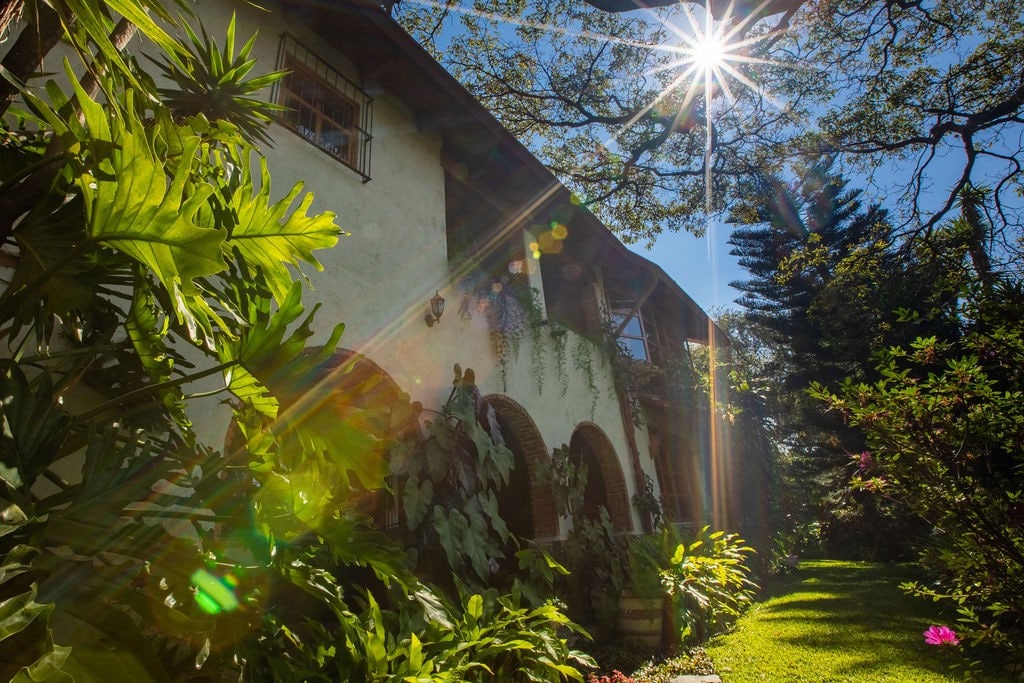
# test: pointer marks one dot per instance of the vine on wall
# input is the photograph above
(512, 309)
(584, 361)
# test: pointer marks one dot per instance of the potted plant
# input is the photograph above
(641, 603)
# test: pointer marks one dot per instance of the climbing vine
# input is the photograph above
(584, 361)
(512, 308)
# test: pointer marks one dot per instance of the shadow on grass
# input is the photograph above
(838, 621)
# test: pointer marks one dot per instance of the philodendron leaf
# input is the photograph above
(269, 236)
(258, 349)
(417, 498)
(26, 638)
(92, 27)
(131, 207)
(451, 527)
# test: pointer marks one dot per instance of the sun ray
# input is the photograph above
(708, 54)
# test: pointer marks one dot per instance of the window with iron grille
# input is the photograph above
(324, 107)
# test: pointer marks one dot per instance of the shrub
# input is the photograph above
(708, 583)
(944, 425)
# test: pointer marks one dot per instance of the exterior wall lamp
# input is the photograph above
(436, 309)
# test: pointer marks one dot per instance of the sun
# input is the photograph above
(709, 52)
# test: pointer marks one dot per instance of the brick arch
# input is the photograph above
(606, 482)
(348, 379)
(523, 438)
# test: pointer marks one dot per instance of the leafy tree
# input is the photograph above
(931, 89)
(827, 284)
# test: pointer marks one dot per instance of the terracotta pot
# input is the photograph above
(640, 618)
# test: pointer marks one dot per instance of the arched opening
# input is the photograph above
(606, 484)
(364, 398)
(527, 506)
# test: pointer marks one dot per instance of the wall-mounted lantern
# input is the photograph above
(436, 309)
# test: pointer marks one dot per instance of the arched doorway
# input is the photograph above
(349, 391)
(606, 484)
(527, 507)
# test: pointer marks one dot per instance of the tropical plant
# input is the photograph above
(139, 268)
(449, 484)
(708, 582)
(214, 81)
(596, 558)
(647, 558)
(566, 477)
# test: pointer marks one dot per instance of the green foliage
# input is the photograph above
(598, 567)
(497, 639)
(450, 484)
(708, 581)
(213, 82)
(647, 504)
(648, 556)
(694, 662)
(566, 478)
(944, 423)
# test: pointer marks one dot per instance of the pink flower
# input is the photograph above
(941, 635)
(865, 461)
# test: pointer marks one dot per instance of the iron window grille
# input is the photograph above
(323, 106)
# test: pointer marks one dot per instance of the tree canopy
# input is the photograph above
(920, 99)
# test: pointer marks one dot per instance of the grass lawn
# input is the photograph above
(839, 621)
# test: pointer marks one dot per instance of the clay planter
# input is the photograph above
(640, 618)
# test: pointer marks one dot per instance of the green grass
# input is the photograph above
(839, 621)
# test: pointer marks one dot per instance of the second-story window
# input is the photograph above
(324, 107)
(633, 337)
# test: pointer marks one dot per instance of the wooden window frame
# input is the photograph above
(619, 311)
(324, 107)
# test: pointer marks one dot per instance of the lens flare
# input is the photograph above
(215, 594)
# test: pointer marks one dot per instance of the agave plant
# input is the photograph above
(215, 82)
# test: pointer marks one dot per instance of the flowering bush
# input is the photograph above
(616, 677)
(944, 424)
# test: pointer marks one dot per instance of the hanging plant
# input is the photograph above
(512, 307)
(558, 335)
(584, 362)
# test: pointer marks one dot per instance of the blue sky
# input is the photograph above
(700, 265)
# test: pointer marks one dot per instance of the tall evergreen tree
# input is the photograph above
(827, 288)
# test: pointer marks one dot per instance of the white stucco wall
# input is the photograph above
(380, 277)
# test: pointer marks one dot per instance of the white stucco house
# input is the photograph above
(440, 201)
